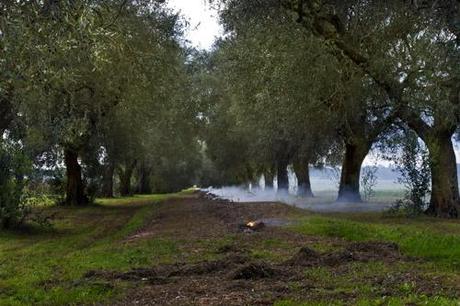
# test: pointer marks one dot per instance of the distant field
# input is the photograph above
(320, 184)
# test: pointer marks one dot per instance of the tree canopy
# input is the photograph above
(109, 94)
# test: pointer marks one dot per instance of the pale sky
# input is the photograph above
(204, 25)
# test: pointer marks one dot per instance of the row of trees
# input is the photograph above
(96, 94)
(313, 82)
(98, 89)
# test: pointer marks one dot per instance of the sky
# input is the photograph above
(204, 26)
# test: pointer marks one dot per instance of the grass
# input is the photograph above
(388, 301)
(434, 242)
(437, 241)
(47, 267)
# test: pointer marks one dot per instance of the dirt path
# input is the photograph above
(237, 274)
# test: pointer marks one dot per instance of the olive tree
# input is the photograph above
(411, 52)
(80, 62)
(275, 74)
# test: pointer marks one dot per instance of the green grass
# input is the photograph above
(133, 200)
(413, 299)
(435, 240)
(47, 267)
(387, 195)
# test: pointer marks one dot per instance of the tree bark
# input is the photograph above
(302, 172)
(351, 171)
(445, 199)
(144, 185)
(254, 184)
(6, 114)
(125, 179)
(75, 188)
(268, 180)
(282, 177)
(107, 185)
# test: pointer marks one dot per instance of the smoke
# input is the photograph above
(324, 184)
(239, 194)
(317, 204)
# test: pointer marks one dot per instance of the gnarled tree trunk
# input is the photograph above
(125, 179)
(302, 172)
(445, 199)
(107, 184)
(75, 188)
(144, 184)
(351, 171)
(282, 176)
(268, 180)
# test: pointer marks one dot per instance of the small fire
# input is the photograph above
(252, 226)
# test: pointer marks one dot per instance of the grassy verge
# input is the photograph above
(435, 240)
(47, 267)
(435, 243)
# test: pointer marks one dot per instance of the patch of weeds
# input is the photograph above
(324, 247)
(407, 288)
(321, 276)
(267, 255)
(274, 243)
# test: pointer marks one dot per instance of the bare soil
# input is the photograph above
(235, 276)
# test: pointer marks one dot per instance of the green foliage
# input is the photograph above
(267, 81)
(13, 168)
(18, 204)
(414, 166)
(104, 79)
(368, 182)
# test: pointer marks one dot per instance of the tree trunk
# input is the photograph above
(351, 171)
(125, 181)
(144, 186)
(107, 185)
(302, 172)
(268, 180)
(255, 183)
(445, 200)
(125, 178)
(282, 177)
(6, 115)
(75, 189)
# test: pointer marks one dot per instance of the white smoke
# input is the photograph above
(325, 189)
(251, 194)
(317, 204)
